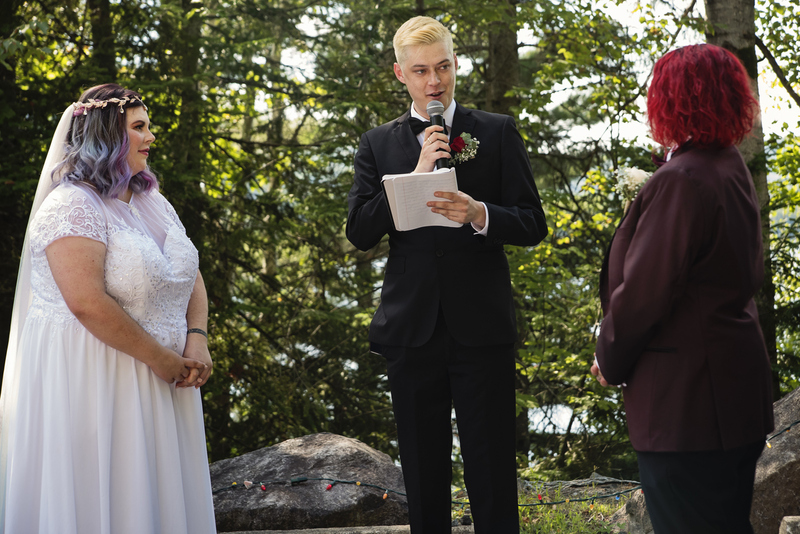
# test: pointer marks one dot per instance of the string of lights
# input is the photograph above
(247, 484)
(542, 501)
(776, 434)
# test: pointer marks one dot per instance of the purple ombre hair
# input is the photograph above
(97, 146)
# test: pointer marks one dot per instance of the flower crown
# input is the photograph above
(83, 107)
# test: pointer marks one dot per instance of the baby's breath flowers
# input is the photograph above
(629, 181)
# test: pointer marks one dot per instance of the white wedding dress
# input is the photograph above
(97, 442)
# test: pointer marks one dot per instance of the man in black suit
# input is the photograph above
(446, 322)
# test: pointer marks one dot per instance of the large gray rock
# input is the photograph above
(634, 513)
(777, 487)
(308, 504)
(790, 525)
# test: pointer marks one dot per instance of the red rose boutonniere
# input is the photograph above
(463, 148)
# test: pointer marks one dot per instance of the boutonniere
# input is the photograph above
(464, 147)
(629, 182)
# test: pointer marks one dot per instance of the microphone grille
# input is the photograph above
(435, 107)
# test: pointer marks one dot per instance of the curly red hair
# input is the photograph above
(700, 93)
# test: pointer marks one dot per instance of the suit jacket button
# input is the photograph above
(439, 253)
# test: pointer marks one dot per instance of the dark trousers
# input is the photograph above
(700, 492)
(426, 382)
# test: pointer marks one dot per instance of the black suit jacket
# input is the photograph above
(680, 325)
(466, 274)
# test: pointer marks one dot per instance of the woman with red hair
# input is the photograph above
(680, 331)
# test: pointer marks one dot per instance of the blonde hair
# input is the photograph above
(420, 31)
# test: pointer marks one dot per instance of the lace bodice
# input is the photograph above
(150, 263)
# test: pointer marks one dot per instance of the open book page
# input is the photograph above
(408, 195)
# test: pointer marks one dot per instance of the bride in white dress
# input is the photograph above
(102, 422)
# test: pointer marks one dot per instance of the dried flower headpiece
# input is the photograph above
(83, 107)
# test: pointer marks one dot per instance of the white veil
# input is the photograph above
(22, 301)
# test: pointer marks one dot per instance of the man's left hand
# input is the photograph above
(462, 208)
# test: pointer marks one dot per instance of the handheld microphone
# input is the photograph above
(435, 111)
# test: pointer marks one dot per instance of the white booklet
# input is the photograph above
(408, 195)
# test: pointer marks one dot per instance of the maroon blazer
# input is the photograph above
(680, 325)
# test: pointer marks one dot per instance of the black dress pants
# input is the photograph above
(426, 382)
(706, 492)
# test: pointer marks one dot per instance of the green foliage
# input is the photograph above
(778, 25)
(784, 246)
(568, 518)
(580, 423)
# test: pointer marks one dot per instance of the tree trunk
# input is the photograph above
(189, 140)
(502, 65)
(104, 56)
(734, 28)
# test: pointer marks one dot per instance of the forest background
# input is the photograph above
(257, 107)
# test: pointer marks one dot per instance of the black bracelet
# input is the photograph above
(197, 331)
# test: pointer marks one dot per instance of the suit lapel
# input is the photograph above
(468, 176)
(463, 121)
(406, 139)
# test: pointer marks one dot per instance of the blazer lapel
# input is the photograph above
(463, 121)
(406, 139)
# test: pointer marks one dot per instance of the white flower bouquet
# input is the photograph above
(629, 182)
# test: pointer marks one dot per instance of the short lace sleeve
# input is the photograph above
(170, 210)
(69, 211)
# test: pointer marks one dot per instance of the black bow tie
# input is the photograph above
(418, 126)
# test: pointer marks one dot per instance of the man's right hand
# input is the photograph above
(432, 149)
